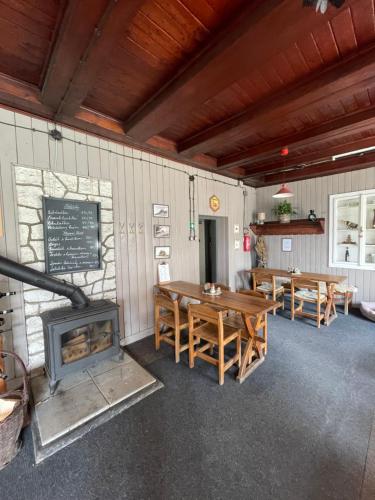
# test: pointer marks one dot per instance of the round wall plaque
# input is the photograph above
(214, 203)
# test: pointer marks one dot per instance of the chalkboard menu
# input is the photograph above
(72, 239)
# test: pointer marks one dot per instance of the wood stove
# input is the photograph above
(75, 337)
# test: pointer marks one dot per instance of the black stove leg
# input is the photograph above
(52, 386)
(119, 356)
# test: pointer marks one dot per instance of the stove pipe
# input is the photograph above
(36, 278)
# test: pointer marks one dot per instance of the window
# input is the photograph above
(352, 230)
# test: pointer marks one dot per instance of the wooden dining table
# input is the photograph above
(329, 279)
(252, 310)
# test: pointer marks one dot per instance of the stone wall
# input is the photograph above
(31, 185)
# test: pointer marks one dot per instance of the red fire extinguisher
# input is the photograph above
(246, 242)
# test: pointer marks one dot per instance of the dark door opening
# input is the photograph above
(213, 249)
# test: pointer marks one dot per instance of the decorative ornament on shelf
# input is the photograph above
(261, 251)
(284, 210)
(261, 217)
(214, 203)
(312, 216)
(350, 225)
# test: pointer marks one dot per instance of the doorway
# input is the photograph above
(213, 249)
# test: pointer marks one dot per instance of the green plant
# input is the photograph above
(283, 208)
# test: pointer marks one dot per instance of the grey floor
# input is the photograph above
(298, 428)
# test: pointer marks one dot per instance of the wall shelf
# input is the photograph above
(298, 226)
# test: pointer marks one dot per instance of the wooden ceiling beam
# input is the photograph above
(327, 168)
(344, 124)
(322, 154)
(338, 79)
(114, 20)
(230, 55)
(25, 97)
(72, 38)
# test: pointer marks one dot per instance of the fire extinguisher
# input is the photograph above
(246, 242)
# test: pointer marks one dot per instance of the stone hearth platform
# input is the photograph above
(84, 400)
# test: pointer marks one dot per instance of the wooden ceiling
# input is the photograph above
(220, 84)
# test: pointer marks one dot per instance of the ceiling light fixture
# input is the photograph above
(284, 191)
(355, 152)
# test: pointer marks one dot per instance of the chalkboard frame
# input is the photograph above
(45, 199)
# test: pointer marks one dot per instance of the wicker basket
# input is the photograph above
(10, 428)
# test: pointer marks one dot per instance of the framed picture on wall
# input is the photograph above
(286, 244)
(162, 231)
(162, 252)
(159, 210)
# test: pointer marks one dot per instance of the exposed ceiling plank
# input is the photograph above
(25, 97)
(72, 39)
(281, 165)
(231, 54)
(337, 79)
(359, 119)
(328, 168)
(22, 96)
(114, 20)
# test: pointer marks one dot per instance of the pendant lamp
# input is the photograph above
(284, 191)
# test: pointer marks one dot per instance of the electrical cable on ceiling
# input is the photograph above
(121, 155)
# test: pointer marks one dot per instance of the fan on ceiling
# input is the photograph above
(322, 5)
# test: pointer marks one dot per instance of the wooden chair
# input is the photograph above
(344, 293)
(266, 285)
(305, 290)
(172, 317)
(213, 332)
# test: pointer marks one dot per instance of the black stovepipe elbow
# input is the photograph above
(36, 278)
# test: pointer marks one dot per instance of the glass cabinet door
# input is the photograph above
(368, 235)
(347, 231)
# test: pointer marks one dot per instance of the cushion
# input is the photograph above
(309, 295)
(267, 288)
(368, 310)
(343, 288)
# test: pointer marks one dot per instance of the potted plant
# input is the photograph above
(284, 210)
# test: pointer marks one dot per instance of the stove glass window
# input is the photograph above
(86, 340)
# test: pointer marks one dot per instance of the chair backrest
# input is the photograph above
(263, 277)
(305, 283)
(161, 300)
(205, 313)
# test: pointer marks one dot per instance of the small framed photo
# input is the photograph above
(162, 252)
(286, 244)
(160, 210)
(162, 231)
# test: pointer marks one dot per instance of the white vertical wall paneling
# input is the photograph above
(9, 243)
(40, 143)
(81, 153)
(310, 252)
(112, 175)
(122, 246)
(69, 152)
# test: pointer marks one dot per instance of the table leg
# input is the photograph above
(328, 317)
(248, 364)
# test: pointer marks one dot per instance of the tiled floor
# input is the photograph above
(84, 395)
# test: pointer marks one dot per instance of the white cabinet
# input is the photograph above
(352, 230)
